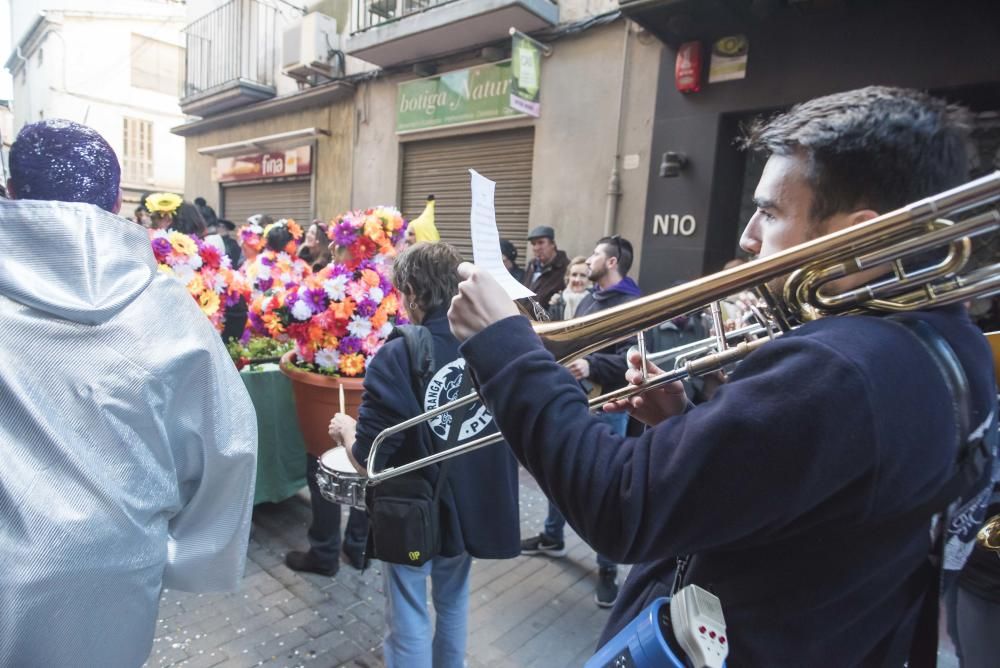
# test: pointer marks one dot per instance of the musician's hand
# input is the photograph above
(354, 462)
(654, 406)
(480, 302)
(579, 368)
(342, 428)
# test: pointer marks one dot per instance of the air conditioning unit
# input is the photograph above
(309, 48)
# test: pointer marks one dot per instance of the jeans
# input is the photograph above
(408, 642)
(555, 523)
(324, 532)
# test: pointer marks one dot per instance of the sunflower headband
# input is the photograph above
(163, 203)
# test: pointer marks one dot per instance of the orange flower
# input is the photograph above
(352, 365)
(343, 310)
(379, 319)
(273, 324)
(370, 278)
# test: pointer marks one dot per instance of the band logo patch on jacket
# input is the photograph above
(969, 512)
(442, 389)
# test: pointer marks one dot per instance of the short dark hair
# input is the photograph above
(876, 147)
(621, 248)
(63, 161)
(188, 219)
(429, 271)
(278, 237)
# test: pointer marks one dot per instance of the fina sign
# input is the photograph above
(290, 162)
(671, 224)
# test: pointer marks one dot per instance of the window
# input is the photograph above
(156, 65)
(137, 153)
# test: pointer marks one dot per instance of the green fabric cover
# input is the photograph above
(281, 453)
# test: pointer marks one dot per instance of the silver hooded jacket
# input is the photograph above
(128, 441)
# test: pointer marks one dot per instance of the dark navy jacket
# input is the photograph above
(480, 502)
(608, 365)
(787, 476)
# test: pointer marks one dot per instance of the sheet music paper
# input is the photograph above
(486, 239)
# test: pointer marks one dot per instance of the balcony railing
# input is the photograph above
(370, 13)
(235, 42)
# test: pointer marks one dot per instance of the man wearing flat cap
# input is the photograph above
(546, 272)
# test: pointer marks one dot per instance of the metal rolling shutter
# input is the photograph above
(440, 167)
(285, 199)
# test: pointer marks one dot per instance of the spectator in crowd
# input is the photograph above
(422, 228)
(598, 373)
(225, 229)
(315, 249)
(544, 274)
(508, 255)
(129, 439)
(207, 212)
(563, 305)
(478, 503)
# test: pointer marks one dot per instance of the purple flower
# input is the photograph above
(316, 299)
(350, 344)
(264, 284)
(266, 261)
(367, 308)
(245, 337)
(161, 247)
(344, 233)
(256, 324)
(291, 297)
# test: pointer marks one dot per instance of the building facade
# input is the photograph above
(115, 66)
(787, 52)
(364, 110)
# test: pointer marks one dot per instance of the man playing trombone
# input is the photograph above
(803, 491)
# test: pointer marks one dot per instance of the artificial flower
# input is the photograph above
(163, 203)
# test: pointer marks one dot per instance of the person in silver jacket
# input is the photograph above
(129, 442)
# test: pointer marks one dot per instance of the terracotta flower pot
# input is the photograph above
(317, 399)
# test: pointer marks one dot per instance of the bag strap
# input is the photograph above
(420, 350)
(918, 646)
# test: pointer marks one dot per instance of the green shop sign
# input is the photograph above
(465, 96)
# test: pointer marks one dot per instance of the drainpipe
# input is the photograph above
(614, 181)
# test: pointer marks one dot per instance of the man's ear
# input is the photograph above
(842, 221)
(118, 203)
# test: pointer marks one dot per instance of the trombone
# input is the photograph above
(946, 222)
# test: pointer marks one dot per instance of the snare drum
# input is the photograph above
(339, 481)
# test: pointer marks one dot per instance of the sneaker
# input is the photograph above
(306, 562)
(542, 544)
(607, 589)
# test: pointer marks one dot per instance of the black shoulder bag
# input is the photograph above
(405, 511)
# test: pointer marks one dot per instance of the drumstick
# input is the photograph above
(341, 387)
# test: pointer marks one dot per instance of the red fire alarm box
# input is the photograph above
(687, 69)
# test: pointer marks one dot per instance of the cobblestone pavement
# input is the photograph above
(529, 611)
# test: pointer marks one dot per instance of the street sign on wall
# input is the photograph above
(471, 95)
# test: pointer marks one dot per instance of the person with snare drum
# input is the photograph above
(478, 503)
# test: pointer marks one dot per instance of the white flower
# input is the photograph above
(376, 295)
(336, 287)
(301, 310)
(359, 327)
(386, 330)
(286, 278)
(185, 272)
(195, 261)
(328, 358)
